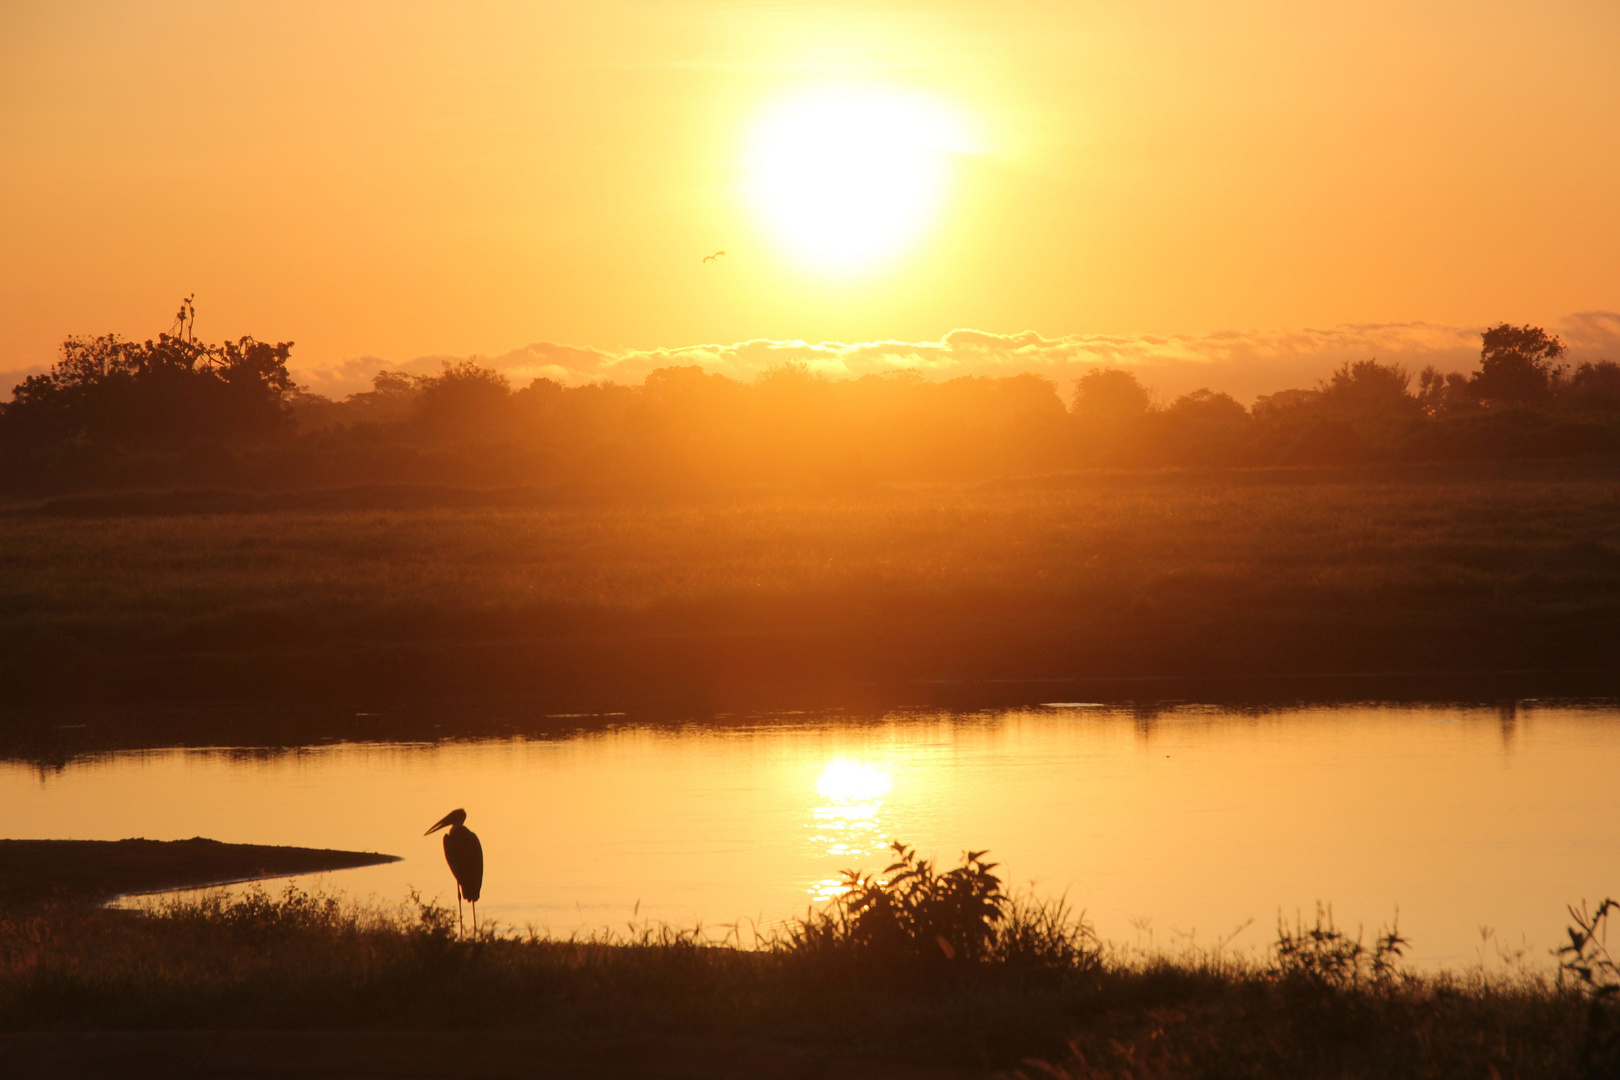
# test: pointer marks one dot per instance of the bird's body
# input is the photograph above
(466, 858)
(711, 258)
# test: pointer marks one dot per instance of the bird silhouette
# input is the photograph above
(711, 258)
(466, 858)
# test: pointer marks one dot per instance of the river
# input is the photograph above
(1167, 826)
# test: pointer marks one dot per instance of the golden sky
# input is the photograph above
(388, 181)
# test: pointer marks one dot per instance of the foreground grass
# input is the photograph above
(1040, 996)
(1270, 572)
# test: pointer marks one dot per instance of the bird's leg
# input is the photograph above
(475, 919)
(461, 927)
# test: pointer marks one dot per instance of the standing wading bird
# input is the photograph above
(466, 858)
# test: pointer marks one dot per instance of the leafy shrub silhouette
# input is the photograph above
(1587, 955)
(918, 921)
(1323, 954)
(1597, 974)
(920, 912)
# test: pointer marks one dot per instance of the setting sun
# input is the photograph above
(848, 178)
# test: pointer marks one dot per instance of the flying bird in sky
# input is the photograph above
(711, 258)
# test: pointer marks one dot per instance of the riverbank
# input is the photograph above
(372, 599)
(96, 871)
(192, 981)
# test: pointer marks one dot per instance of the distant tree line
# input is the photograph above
(175, 411)
(1524, 401)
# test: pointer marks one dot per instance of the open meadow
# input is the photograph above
(781, 597)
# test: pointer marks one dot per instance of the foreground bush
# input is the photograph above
(918, 925)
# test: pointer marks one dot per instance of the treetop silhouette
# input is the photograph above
(177, 411)
(171, 391)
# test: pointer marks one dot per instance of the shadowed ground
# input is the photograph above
(474, 1055)
(94, 871)
(307, 986)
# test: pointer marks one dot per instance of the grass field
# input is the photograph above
(1044, 1000)
(406, 592)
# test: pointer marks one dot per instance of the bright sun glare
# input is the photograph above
(847, 178)
(845, 781)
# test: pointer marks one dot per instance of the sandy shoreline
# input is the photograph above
(96, 871)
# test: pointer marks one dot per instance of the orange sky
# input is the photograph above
(387, 181)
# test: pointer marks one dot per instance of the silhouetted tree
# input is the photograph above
(1208, 408)
(391, 399)
(1284, 405)
(1370, 390)
(1594, 387)
(1517, 364)
(1110, 414)
(465, 399)
(1205, 428)
(168, 392)
(1362, 410)
(1442, 392)
(1110, 394)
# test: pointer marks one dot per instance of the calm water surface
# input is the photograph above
(1184, 823)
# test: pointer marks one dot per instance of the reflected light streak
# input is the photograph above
(845, 824)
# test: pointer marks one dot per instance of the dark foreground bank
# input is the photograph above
(942, 977)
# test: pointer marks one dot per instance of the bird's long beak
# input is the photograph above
(442, 823)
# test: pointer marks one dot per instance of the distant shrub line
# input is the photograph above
(178, 412)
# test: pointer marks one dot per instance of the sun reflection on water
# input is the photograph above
(844, 823)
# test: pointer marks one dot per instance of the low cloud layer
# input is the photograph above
(1243, 363)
